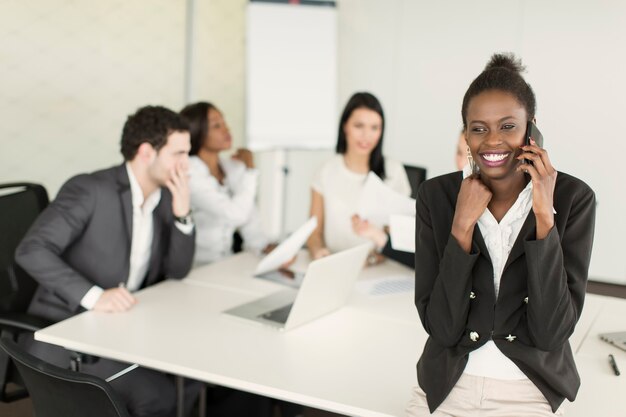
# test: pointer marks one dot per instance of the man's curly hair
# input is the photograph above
(152, 124)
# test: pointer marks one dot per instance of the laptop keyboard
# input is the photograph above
(279, 315)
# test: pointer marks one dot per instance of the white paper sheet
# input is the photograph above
(386, 285)
(377, 202)
(402, 232)
(287, 249)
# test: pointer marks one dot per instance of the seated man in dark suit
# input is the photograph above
(113, 232)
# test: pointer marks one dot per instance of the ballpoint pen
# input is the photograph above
(614, 365)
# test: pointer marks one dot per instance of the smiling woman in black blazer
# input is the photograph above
(501, 263)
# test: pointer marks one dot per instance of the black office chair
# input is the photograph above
(20, 204)
(57, 392)
(237, 242)
(416, 175)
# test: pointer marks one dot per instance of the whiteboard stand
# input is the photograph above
(272, 191)
(282, 158)
(291, 98)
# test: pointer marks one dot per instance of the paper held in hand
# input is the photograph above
(287, 249)
(402, 232)
(377, 202)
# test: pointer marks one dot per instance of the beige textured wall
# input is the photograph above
(219, 60)
(71, 73)
(73, 70)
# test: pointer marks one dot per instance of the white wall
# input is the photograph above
(72, 71)
(219, 58)
(419, 58)
(577, 62)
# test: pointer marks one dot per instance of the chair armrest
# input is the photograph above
(22, 322)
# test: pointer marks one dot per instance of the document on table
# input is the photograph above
(396, 284)
(378, 201)
(402, 232)
(287, 249)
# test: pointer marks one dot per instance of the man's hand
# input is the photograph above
(178, 184)
(115, 300)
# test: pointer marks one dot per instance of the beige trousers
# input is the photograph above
(475, 396)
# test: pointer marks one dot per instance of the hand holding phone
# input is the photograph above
(532, 131)
(543, 176)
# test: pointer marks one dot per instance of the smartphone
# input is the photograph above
(532, 131)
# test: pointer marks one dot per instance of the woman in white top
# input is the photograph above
(223, 190)
(337, 186)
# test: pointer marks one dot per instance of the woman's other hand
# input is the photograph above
(320, 253)
(367, 230)
(245, 156)
(270, 247)
(474, 196)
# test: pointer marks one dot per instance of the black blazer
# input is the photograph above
(83, 239)
(541, 295)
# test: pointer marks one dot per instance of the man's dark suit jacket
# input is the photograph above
(541, 295)
(83, 238)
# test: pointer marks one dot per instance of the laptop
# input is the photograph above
(326, 286)
(618, 339)
(270, 267)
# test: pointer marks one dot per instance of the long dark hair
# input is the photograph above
(367, 101)
(197, 117)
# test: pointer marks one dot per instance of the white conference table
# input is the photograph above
(602, 393)
(358, 361)
(355, 361)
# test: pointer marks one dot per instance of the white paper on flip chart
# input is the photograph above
(287, 249)
(378, 201)
(402, 232)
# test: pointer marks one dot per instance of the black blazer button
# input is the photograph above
(474, 336)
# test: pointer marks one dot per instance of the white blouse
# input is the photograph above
(488, 360)
(220, 209)
(341, 189)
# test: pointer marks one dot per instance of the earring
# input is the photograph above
(471, 162)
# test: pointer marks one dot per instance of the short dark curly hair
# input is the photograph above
(503, 72)
(152, 124)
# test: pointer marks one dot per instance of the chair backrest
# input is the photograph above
(58, 392)
(416, 175)
(20, 204)
(237, 242)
